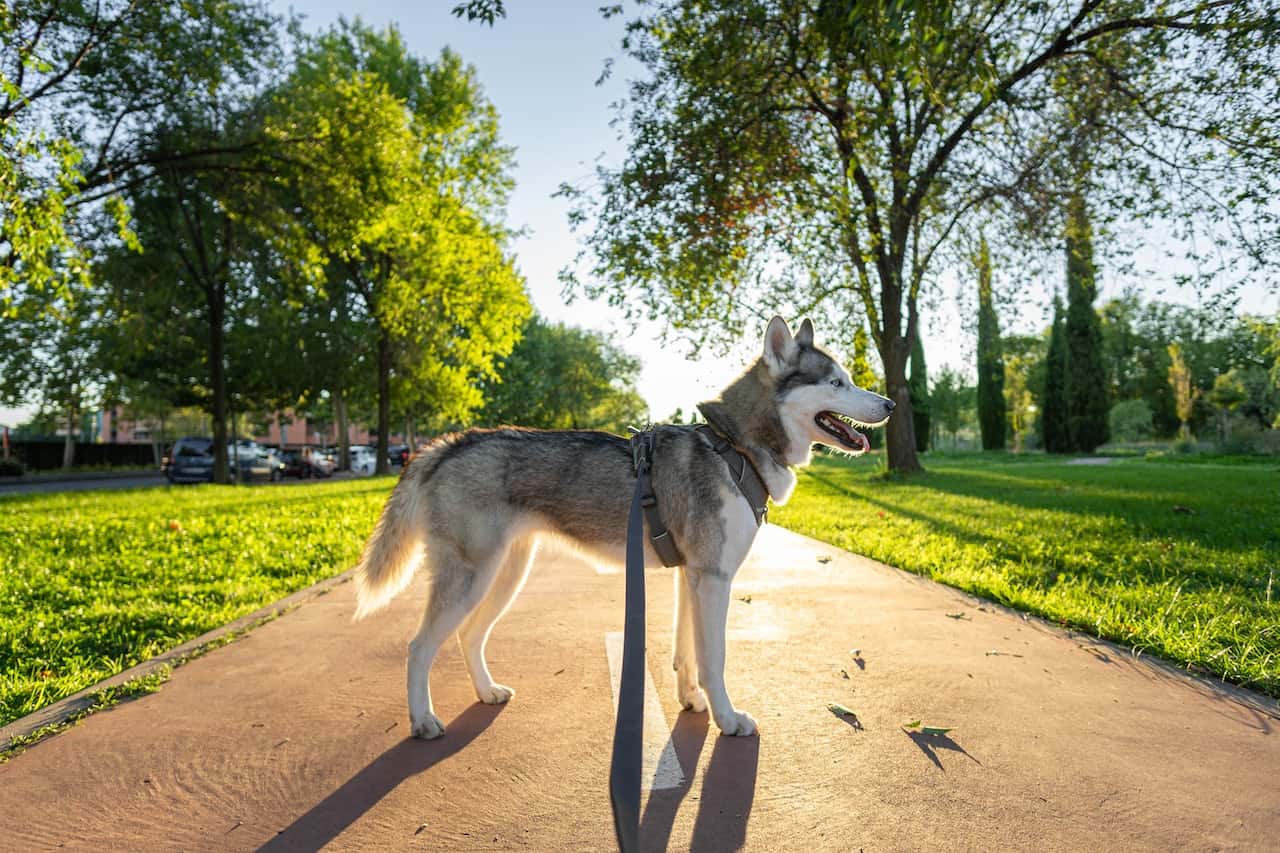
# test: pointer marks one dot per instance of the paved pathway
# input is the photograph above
(295, 737)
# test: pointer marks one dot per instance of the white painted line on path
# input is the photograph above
(661, 767)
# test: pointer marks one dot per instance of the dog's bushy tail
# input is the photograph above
(394, 551)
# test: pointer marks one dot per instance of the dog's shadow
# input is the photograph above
(328, 818)
(726, 795)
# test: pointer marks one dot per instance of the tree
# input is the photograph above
(1227, 394)
(561, 377)
(50, 356)
(1024, 357)
(1130, 421)
(397, 193)
(840, 144)
(991, 408)
(952, 399)
(918, 385)
(1185, 393)
(1086, 378)
(1054, 432)
(81, 87)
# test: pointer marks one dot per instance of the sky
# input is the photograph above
(539, 67)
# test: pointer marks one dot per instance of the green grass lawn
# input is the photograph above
(92, 583)
(1099, 548)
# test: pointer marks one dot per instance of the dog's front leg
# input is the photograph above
(710, 613)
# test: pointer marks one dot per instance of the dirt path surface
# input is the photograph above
(295, 737)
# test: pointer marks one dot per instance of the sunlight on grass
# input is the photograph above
(1179, 561)
(94, 583)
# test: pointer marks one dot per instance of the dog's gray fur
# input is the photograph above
(473, 507)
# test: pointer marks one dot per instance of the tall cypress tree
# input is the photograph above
(991, 414)
(1053, 406)
(1086, 385)
(918, 388)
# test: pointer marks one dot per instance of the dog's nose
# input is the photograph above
(890, 405)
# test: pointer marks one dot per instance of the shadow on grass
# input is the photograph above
(328, 818)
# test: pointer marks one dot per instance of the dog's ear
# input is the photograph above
(804, 337)
(779, 346)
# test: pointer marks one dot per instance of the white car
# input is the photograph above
(364, 459)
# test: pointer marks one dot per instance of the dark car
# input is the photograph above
(398, 454)
(191, 461)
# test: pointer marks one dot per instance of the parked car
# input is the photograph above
(364, 459)
(252, 460)
(323, 463)
(398, 454)
(191, 461)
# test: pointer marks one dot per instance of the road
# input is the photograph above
(143, 480)
(295, 737)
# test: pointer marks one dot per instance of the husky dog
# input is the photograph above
(473, 506)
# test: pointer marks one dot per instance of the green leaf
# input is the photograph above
(912, 725)
(936, 730)
(840, 710)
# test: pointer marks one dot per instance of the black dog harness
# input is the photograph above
(741, 471)
(624, 768)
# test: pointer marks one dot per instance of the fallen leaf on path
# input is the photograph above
(844, 673)
(995, 653)
(840, 710)
(855, 653)
(912, 725)
(936, 730)
(824, 559)
(745, 599)
(557, 672)
(959, 615)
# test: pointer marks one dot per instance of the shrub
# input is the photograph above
(1248, 438)
(1131, 421)
(11, 468)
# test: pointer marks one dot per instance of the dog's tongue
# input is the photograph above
(862, 439)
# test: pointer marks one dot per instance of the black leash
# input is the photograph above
(628, 731)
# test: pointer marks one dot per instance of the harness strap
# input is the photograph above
(744, 473)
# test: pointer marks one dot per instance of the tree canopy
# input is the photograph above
(791, 155)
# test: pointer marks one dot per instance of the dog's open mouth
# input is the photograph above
(841, 428)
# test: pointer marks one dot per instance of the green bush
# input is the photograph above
(1248, 438)
(11, 468)
(1130, 420)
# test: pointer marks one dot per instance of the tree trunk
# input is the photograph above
(900, 432)
(69, 446)
(344, 440)
(218, 381)
(384, 401)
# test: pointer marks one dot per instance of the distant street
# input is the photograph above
(142, 480)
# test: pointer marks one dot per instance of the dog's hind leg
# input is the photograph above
(684, 656)
(475, 629)
(457, 586)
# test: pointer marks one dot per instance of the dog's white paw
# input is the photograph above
(741, 724)
(691, 698)
(494, 694)
(429, 728)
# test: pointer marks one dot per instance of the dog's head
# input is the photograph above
(817, 400)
